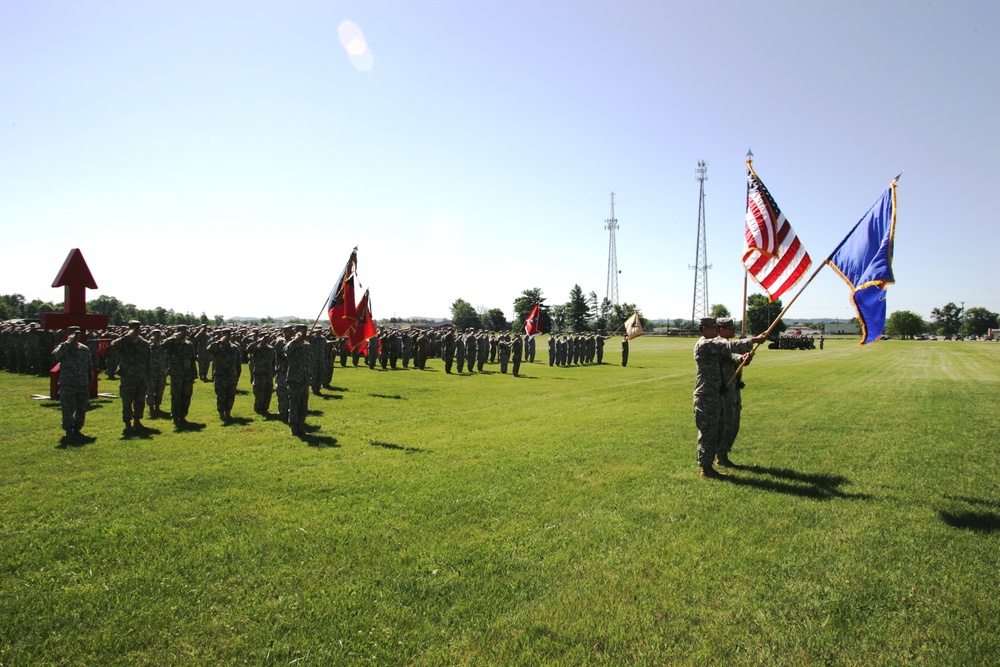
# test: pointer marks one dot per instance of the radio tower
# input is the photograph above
(699, 306)
(611, 224)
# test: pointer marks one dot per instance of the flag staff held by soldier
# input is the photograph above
(776, 259)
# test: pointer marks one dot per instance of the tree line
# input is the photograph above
(15, 306)
(581, 313)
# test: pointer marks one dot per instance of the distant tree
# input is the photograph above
(11, 306)
(905, 324)
(495, 320)
(760, 313)
(463, 315)
(718, 310)
(110, 306)
(578, 311)
(36, 307)
(604, 314)
(560, 316)
(680, 323)
(978, 321)
(203, 318)
(593, 305)
(947, 319)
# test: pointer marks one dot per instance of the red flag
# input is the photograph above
(365, 328)
(533, 326)
(341, 309)
(773, 255)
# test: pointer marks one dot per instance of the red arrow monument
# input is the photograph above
(75, 277)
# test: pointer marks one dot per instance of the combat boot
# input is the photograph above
(711, 473)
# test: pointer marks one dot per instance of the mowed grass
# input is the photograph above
(555, 518)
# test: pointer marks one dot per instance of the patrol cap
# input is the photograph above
(73, 329)
(225, 332)
(134, 324)
(287, 327)
(708, 322)
(301, 327)
(182, 327)
(727, 323)
(155, 332)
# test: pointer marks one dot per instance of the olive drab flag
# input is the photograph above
(633, 327)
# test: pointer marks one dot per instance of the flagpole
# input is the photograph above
(778, 319)
(743, 321)
(316, 321)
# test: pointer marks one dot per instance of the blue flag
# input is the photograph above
(864, 260)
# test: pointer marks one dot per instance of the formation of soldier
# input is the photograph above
(144, 357)
(577, 349)
(27, 348)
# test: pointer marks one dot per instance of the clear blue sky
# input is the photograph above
(226, 156)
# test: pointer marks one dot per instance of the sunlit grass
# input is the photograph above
(555, 518)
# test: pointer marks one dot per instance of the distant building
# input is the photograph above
(839, 327)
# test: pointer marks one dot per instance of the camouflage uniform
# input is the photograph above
(182, 371)
(76, 373)
(158, 364)
(299, 356)
(448, 351)
(226, 365)
(709, 383)
(516, 347)
(133, 367)
(263, 356)
(281, 372)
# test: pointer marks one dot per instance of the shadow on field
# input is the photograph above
(819, 486)
(389, 445)
(68, 441)
(395, 397)
(976, 521)
(319, 441)
(144, 433)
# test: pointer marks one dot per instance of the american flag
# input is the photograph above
(773, 254)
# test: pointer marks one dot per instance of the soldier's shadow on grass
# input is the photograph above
(311, 438)
(328, 397)
(818, 486)
(337, 388)
(389, 445)
(237, 421)
(977, 521)
(144, 433)
(395, 397)
(189, 426)
(68, 441)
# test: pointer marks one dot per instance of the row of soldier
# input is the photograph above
(143, 359)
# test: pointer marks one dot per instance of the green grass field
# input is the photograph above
(551, 519)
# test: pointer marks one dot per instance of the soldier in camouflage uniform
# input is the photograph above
(732, 399)
(158, 363)
(516, 349)
(263, 355)
(76, 373)
(281, 370)
(227, 361)
(183, 371)
(709, 352)
(448, 350)
(133, 367)
(503, 352)
(299, 356)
